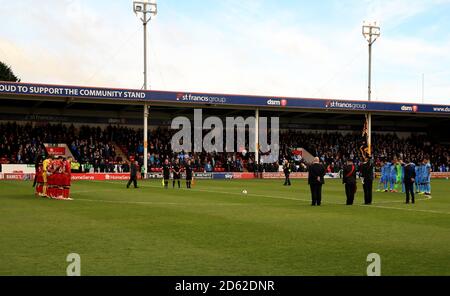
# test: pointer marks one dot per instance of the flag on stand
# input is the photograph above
(365, 148)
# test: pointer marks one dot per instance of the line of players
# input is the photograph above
(53, 178)
(176, 169)
(392, 176)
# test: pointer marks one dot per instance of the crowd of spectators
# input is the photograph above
(95, 148)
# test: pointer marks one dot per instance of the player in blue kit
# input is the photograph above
(392, 176)
(418, 170)
(402, 175)
(427, 176)
(381, 185)
(422, 177)
(387, 169)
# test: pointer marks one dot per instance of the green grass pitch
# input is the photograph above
(214, 229)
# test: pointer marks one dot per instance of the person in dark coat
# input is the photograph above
(287, 172)
(188, 169)
(349, 180)
(366, 171)
(166, 173)
(133, 174)
(37, 164)
(316, 173)
(409, 177)
(176, 169)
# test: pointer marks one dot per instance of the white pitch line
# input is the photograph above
(159, 203)
(304, 200)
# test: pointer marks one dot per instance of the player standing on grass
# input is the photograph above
(418, 170)
(350, 181)
(380, 183)
(387, 165)
(188, 170)
(58, 178)
(176, 173)
(166, 173)
(392, 175)
(39, 180)
(67, 178)
(287, 172)
(427, 176)
(45, 165)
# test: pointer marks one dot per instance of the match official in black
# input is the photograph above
(409, 177)
(287, 172)
(166, 173)
(133, 174)
(188, 169)
(366, 171)
(176, 169)
(349, 180)
(316, 173)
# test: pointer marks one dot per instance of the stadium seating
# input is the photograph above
(96, 147)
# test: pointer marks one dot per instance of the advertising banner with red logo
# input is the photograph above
(243, 175)
(56, 150)
(101, 177)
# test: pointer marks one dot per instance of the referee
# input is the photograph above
(166, 173)
(287, 172)
(188, 169)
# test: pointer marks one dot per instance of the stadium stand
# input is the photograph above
(103, 149)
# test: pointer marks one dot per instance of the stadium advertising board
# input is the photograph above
(18, 176)
(154, 175)
(243, 175)
(222, 176)
(28, 89)
(440, 175)
(18, 168)
(21, 176)
(56, 150)
(203, 175)
(280, 175)
(101, 177)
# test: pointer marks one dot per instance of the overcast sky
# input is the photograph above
(273, 48)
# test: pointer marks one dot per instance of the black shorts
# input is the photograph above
(176, 176)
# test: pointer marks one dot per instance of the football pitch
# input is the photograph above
(215, 229)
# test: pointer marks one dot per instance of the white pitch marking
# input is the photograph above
(304, 200)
